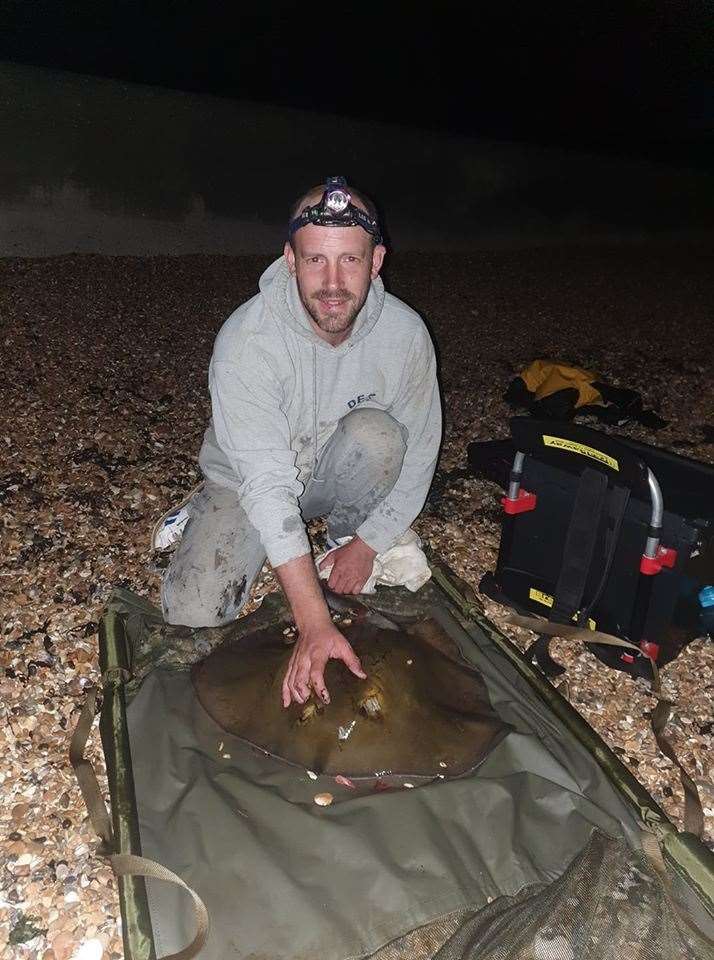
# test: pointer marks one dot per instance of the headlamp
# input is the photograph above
(337, 199)
(336, 209)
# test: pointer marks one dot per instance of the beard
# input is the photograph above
(335, 319)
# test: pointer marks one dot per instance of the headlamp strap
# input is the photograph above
(336, 209)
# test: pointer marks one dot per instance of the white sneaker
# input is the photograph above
(169, 528)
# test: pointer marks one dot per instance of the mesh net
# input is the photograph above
(610, 902)
(423, 943)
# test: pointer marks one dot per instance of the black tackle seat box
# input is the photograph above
(532, 544)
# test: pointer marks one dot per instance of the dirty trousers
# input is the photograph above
(220, 554)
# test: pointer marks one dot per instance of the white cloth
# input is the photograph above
(403, 565)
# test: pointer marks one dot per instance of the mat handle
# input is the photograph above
(124, 864)
(87, 778)
(129, 865)
(693, 812)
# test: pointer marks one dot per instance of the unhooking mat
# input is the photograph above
(537, 852)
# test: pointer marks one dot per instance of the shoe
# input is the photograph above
(169, 529)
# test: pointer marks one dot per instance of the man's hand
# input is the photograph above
(306, 669)
(319, 639)
(352, 566)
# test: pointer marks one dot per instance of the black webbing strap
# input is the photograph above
(596, 518)
(579, 549)
(617, 500)
(578, 552)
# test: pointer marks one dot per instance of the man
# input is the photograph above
(325, 402)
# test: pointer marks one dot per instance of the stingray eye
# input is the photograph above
(371, 704)
(310, 711)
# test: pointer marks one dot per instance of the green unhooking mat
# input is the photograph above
(478, 818)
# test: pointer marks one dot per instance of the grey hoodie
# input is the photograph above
(278, 392)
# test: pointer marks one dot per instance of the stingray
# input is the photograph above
(423, 711)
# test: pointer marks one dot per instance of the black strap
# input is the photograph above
(596, 518)
(579, 546)
(539, 653)
(617, 501)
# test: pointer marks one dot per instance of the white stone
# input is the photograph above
(89, 950)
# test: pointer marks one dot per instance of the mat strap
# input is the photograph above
(127, 864)
(693, 812)
(87, 778)
(124, 864)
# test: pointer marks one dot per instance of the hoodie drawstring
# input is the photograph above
(314, 409)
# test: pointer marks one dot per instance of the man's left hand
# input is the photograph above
(352, 566)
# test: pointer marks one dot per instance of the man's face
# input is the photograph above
(333, 267)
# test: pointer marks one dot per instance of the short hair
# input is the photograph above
(357, 196)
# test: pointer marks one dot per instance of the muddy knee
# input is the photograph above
(195, 601)
(374, 432)
(213, 568)
(373, 448)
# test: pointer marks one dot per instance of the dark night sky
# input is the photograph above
(618, 74)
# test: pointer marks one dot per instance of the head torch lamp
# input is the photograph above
(336, 209)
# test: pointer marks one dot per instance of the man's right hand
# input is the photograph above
(319, 639)
(306, 669)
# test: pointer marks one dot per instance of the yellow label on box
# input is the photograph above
(560, 443)
(548, 601)
(539, 597)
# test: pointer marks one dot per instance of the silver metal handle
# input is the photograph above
(652, 544)
(514, 486)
